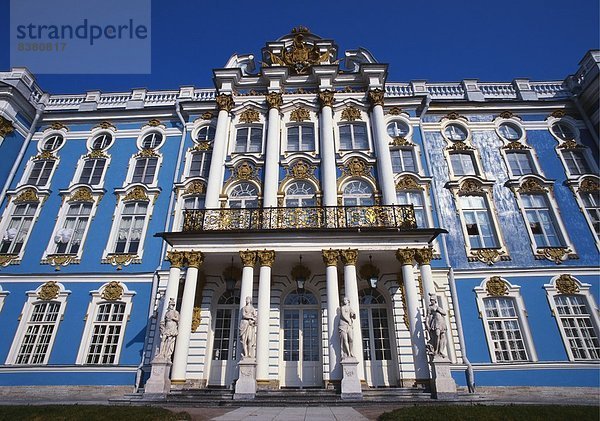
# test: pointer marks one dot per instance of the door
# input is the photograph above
(225, 340)
(301, 357)
(380, 369)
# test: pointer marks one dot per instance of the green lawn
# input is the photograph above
(493, 413)
(88, 413)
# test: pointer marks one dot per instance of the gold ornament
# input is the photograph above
(470, 188)
(326, 98)
(401, 141)
(58, 126)
(274, 99)
(403, 299)
(196, 319)
(351, 113)
(6, 259)
(349, 256)
(376, 97)
(113, 291)
(566, 284)
(147, 153)
(531, 185)
(487, 256)
(459, 146)
(82, 194)
(330, 257)
(137, 194)
(121, 259)
(195, 188)
(45, 156)
(558, 114)
(96, 154)
(299, 57)
(194, 258)
(207, 115)
(176, 258)
(424, 256)
(6, 127)
(301, 170)
(244, 171)
(496, 287)
(589, 185)
(554, 254)
(58, 260)
(356, 167)
(299, 114)
(249, 115)
(506, 114)
(395, 111)
(48, 291)
(224, 102)
(154, 122)
(408, 182)
(248, 258)
(570, 145)
(405, 256)
(27, 196)
(105, 125)
(266, 257)
(453, 116)
(515, 146)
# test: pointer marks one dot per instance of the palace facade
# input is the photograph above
(299, 183)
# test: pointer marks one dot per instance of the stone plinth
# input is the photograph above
(159, 382)
(350, 380)
(442, 383)
(245, 387)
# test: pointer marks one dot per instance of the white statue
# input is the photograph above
(168, 332)
(347, 316)
(436, 326)
(248, 329)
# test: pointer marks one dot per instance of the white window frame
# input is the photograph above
(576, 187)
(400, 150)
(301, 197)
(426, 207)
(32, 300)
(513, 292)
(300, 126)
(3, 295)
(584, 154)
(235, 186)
(92, 313)
(352, 136)
(592, 307)
(286, 121)
(474, 161)
(147, 159)
(204, 166)
(30, 167)
(81, 165)
(359, 197)
(250, 127)
(7, 217)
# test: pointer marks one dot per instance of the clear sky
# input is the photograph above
(432, 40)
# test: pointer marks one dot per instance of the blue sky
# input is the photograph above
(431, 40)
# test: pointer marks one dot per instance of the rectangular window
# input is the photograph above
(248, 139)
(403, 160)
(478, 221)
(519, 163)
(541, 220)
(301, 138)
(504, 329)
(353, 136)
(591, 201)
(68, 239)
(131, 227)
(41, 327)
(92, 171)
(18, 228)
(414, 198)
(40, 172)
(106, 333)
(462, 164)
(577, 326)
(576, 162)
(200, 164)
(225, 342)
(145, 169)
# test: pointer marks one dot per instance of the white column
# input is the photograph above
(176, 259)
(330, 257)
(266, 259)
(248, 260)
(328, 168)
(219, 152)
(180, 356)
(349, 258)
(385, 172)
(423, 258)
(415, 322)
(271, 183)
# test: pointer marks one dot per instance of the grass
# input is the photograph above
(88, 413)
(493, 413)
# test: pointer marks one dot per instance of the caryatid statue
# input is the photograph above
(436, 326)
(248, 329)
(168, 332)
(347, 316)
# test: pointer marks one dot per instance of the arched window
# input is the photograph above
(357, 193)
(300, 194)
(152, 140)
(243, 195)
(206, 134)
(226, 321)
(301, 320)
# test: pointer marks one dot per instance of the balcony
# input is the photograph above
(400, 217)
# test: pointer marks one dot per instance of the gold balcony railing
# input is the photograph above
(312, 217)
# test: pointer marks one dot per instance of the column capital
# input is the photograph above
(266, 257)
(424, 256)
(376, 97)
(194, 258)
(349, 256)
(274, 99)
(175, 258)
(330, 257)
(248, 257)
(405, 256)
(326, 98)
(224, 102)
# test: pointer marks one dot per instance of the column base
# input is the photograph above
(267, 384)
(350, 386)
(245, 386)
(442, 383)
(159, 383)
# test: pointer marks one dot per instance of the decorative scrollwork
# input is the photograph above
(207, 115)
(566, 284)
(488, 256)
(395, 111)
(274, 99)
(326, 98)
(356, 167)
(299, 114)
(570, 144)
(301, 170)
(515, 145)
(249, 115)
(244, 171)
(121, 259)
(405, 256)
(27, 196)
(376, 97)
(349, 256)
(589, 185)
(470, 188)
(194, 258)
(299, 57)
(7, 259)
(351, 113)
(105, 125)
(147, 153)
(176, 258)
(558, 114)
(196, 319)
(154, 122)
(96, 154)
(531, 185)
(330, 257)
(58, 260)
(224, 102)
(248, 257)
(408, 182)
(424, 256)
(266, 257)
(113, 291)
(453, 116)
(82, 194)
(554, 254)
(506, 114)
(196, 187)
(57, 125)
(45, 156)
(48, 291)
(401, 141)
(137, 194)
(496, 287)
(459, 146)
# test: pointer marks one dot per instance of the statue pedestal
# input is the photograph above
(350, 381)
(442, 383)
(245, 387)
(159, 383)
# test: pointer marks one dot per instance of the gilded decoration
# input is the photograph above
(356, 167)
(531, 185)
(274, 99)
(376, 97)
(249, 115)
(403, 299)
(401, 141)
(458, 146)
(351, 113)
(408, 182)
(113, 291)
(349, 256)
(201, 146)
(368, 270)
(154, 123)
(27, 196)
(194, 258)
(195, 188)
(558, 114)
(299, 114)
(570, 144)
(136, 194)
(96, 154)
(121, 259)
(82, 194)
(395, 111)
(266, 257)
(515, 145)
(58, 260)
(6, 127)
(207, 115)
(326, 98)
(496, 287)
(176, 258)
(6, 259)
(405, 256)
(330, 257)
(506, 114)
(224, 102)
(566, 284)
(300, 271)
(248, 257)
(105, 125)
(300, 56)
(48, 291)
(470, 188)
(196, 319)
(424, 256)
(301, 170)
(58, 126)
(589, 185)
(147, 153)
(453, 116)
(488, 256)
(244, 171)
(554, 254)
(45, 156)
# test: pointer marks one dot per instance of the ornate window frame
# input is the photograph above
(200, 147)
(497, 287)
(50, 291)
(400, 143)
(299, 113)
(147, 154)
(571, 144)
(569, 285)
(351, 112)
(299, 169)
(460, 147)
(94, 154)
(250, 115)
(194, 187)
(44, 156)
(413, 183)
(586, 184)
(516, 146)
(113, 292)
